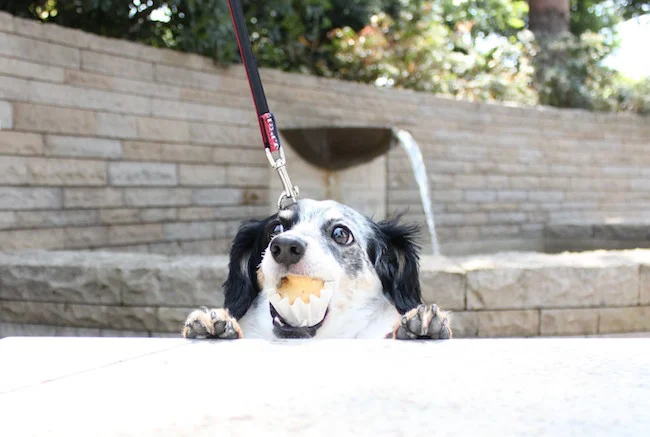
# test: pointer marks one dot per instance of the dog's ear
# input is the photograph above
(241, 287)
(396, 259)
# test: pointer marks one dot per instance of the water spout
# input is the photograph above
(419, 171)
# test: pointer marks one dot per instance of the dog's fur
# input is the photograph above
(375, 277)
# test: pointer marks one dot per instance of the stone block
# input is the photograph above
(469, 181)
(52, 33)
(83, 316)
(464, 324)
(640, 184)
(185, 281)
(521, 183)
(508, 323)
(644, 284)
(480, 196)
(241, 156)
(188, 231)
(82, 147)
(148, 197)
(116, 65)
(148, 89)
(522, 281)
(158, 214)
(17, 198)
(51, 119)
(630, 319)
(142, 174)
(238, 175)
(92, 197)
(162, 129)
(20, 240)
(569, 231)
(202, 175)
(13, 170)
(570, 322)
(133, 234)
(6, 22)
(20, 143)
(142, 151)
(16, 46)
(443, 283)
(6, 115)
(218, 196)
(546, 196)
(31, 330)
(88, 80)
(197, 213)
(56, 218)
(86, 237)
(185, 153)
(66, 172)
(204, 247)
(507, 217)
(116, 125)
(199, 112)
(7, 219)
(512, 196)
(198, 79)
(70, 96)
(112, 279)
(223, 135)
(119, 216)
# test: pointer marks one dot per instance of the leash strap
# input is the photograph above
(268, 127)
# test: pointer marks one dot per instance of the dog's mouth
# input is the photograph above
(300, 303)
(283, 330)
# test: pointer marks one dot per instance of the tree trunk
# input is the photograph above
(548, 18)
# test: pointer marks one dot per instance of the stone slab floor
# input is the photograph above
(173, 387)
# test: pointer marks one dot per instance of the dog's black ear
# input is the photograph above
(397, 262)
(241, 287)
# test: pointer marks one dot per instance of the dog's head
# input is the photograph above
(362, 260)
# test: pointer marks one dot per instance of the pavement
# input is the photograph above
(174, 387)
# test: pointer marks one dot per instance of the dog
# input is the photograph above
(372, 269)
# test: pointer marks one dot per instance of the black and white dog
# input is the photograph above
(371, 268)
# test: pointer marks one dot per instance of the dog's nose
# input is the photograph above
(287, 250)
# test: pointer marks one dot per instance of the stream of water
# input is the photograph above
(412, 149)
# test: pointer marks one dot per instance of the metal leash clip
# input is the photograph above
(290, 191)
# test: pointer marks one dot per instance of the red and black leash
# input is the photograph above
(268, 127)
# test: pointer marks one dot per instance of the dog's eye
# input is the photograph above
(342, 235)
(276, 230)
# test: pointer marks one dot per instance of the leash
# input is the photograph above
(268, 127)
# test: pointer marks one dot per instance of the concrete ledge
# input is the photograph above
(500, 295)
(175, 387)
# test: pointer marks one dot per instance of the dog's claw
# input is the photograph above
(413, 324)
(216, 323)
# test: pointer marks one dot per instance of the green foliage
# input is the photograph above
(469, 49)
(429, 49)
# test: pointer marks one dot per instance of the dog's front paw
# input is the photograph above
(214, 323)
(423, 322)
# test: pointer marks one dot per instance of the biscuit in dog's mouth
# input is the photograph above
(301, 301)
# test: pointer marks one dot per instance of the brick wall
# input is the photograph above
(110, 144)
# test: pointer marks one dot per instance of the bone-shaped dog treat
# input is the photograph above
(294, 287)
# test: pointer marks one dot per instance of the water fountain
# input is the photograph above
(336, 150)
(414, 153)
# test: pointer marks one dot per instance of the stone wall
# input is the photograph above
(507, 295)
(114, 145)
